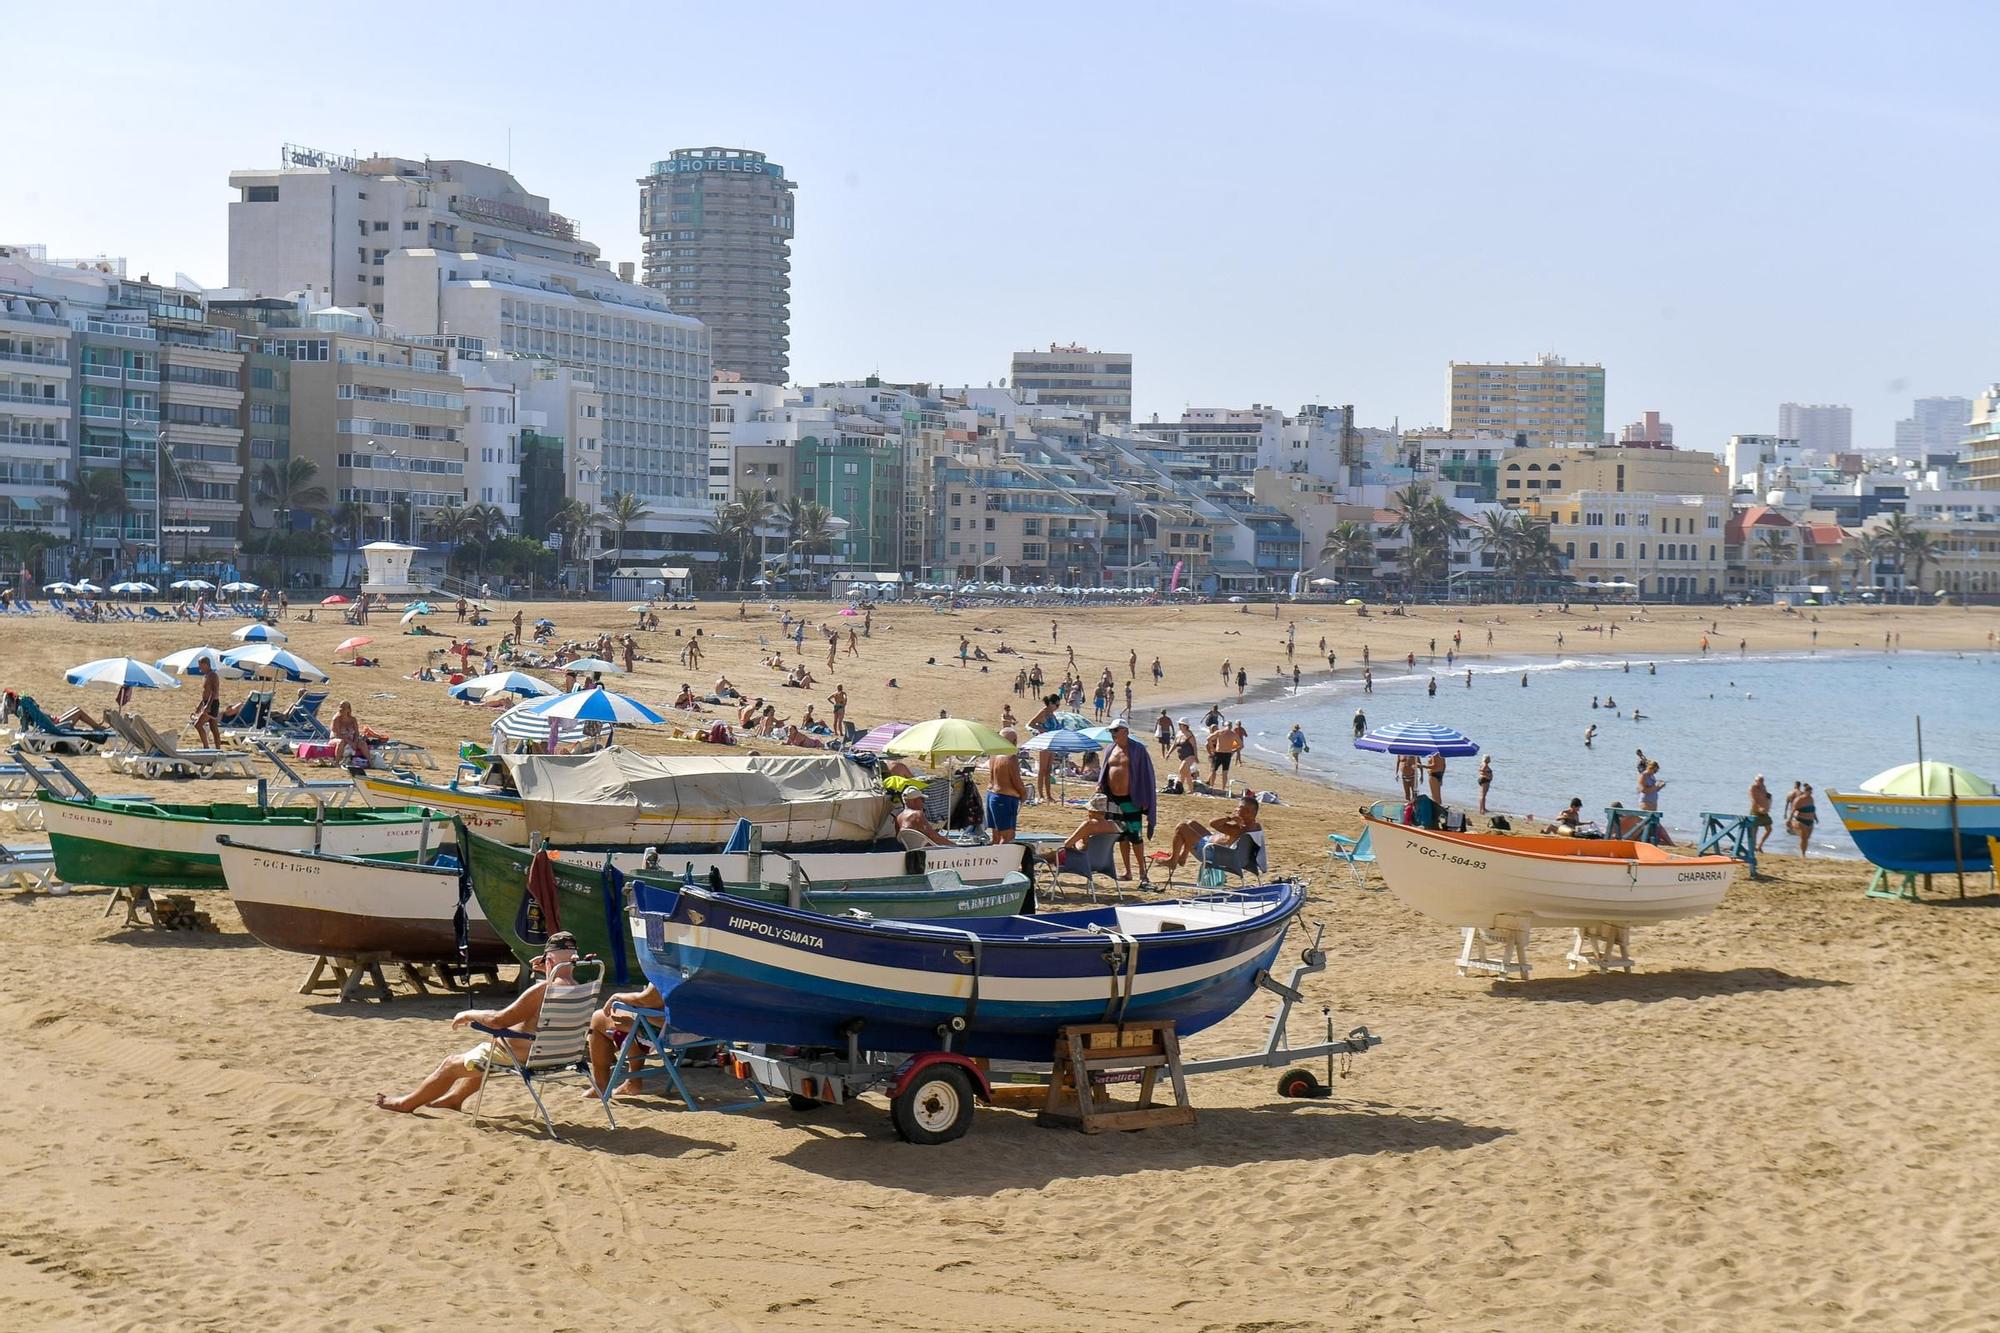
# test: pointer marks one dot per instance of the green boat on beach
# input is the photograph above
(156, 845)
(499, 875)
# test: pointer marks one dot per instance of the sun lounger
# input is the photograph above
(299, 789)
(41, 734)
(401, 754)
(559, 1046)
(253, 715)
(301, 721)
(28, 869)
(161, 757)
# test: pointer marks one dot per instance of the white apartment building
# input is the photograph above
(1753, 460)
(1935, 426)
(35, 409)
(1078, 376)
(456, 249)
(743, 413)
(1820, 428)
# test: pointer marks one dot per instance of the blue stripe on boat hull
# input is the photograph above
(1921, 851)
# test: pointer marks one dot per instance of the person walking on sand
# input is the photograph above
(1804, 816)
(1242, 679)
(1760, 811)
(1485, 779)
(1132, 665)
(964, 650)
(1158, 674)
(1296, 743)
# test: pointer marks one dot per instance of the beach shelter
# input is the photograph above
(414, 612)
(594, 705)
(192, 585)
(503, 682)
(270, 660)
(242, 586)
(85, 585)
(120, 672)
(354, 644)
(259, 633)
(133, 587)
(879, 737)
(183, 662)
(335, 600)
(946, 736)
(520, 724)
(583, 666)
(1418, 738)
(1930, 778)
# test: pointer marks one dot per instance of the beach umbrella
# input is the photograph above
(1930, 778)
(879, 737)
(56, 587)
(120, 672)
(520, 724)
(1352, 601)
(414, 612)
(943, 736)
(182, 663)
(242, 586)
(418, 604)
(1069, 720)
(350, 645)
(585, 665)
(1417, 738)
(501, 682)
(1324, 583)
(1064, 741)
(259, 633)
(1102, 735)
(270, 660)
(595, 705)
(192, 585)
(335, 600)
(131, 586)
(545, 621)
(85, 585)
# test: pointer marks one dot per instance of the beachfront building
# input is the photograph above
(744, 415)
(37, 407)
(1669, 547)
(1528, 474)
(1752, 461)
(1076, 376)
(1981, 451)
(1822, 429)
(1463, 467)
(1935, 428)
(449, 249)
(1004, 519)
(1781, 548)
(1544, 401)
(718, 229)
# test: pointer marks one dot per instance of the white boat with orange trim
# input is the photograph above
(1498, 886)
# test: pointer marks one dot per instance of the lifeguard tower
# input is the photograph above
(389, 569)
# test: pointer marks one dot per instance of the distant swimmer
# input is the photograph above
(1468, 678)
(1524, 682)
(1589, 735)
(1593, 701)
(1652, 668)
(1638, 716)
(1610, 702)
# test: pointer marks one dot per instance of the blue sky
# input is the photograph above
(1729, 206)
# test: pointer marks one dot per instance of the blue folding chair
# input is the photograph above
(1356, 852)
(651, 1031)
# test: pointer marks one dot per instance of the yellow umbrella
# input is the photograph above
(949, 736)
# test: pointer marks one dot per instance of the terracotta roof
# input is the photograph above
(1824, 534)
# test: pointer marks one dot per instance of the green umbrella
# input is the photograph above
(1930, 778)
(943, 736)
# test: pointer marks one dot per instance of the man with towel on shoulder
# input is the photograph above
(1127, 779)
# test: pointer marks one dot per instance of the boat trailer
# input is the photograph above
(932, 1093)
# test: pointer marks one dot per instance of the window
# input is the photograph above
(1593, 550)
(381, 226)
(410, 226)
(380, 255)
(955, 523)
(260, 194)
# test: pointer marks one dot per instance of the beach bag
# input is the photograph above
(1211, 877)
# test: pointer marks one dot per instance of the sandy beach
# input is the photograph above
(1780, 1120)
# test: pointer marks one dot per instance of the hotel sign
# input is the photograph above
(755, 166)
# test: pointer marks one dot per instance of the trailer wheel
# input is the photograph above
(798, 1101)
(1298, 1083)
(935, 1108)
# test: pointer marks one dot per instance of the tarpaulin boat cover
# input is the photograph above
(617, 795)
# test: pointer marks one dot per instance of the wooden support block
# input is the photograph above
(1077, 1094)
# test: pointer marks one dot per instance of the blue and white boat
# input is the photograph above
(743, 971)
(1903, 819)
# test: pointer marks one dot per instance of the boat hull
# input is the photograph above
(143, 845)
(500, 873)
(343, 907)
(751, 972)
(1913, 834)
(1475, 880)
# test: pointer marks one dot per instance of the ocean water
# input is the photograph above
(1832, 719)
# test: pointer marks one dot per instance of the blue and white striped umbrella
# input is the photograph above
(182, 663)
(260, 633)
(520, 724)
(502, 682)
(268, 659)
(132, 586)
(1417, 738)
(595, 705)
(1063, 741)
(120, 672)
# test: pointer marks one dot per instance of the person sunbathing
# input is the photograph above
(912, 819)
(1096, 822)
(1191, 837)
(459, 1076)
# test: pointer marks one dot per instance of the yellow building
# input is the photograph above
(1530, 474)
(1664, 545)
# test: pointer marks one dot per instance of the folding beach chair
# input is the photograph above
(1356, 852)
(652, 1033)
(301, 721)
(162, 757)
(301, 789)
(28, 869)
(250, 715)
(1098, 857)
(1238, 858)
(559, 1047)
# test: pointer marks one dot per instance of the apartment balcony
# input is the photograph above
(112, 329)
(16, 439)
(108, 374)
(23, 321)
(33, 404)
(57, 366)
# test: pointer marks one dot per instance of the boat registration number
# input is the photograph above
(1449, 858)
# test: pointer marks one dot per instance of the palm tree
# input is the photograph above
(348, 520)
(285, 490)
(621, 510)
(1428, 523)
(1537, 556)
(1775, 546)
(1899, 532)
(754, 512)
(812, 531)
(573, 521)
(1348, 545)
(1921, 549)
(1866, 551)
(1500, 533)
(97, 493)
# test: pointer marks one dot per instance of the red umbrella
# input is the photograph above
(348, 645)
(335, 600)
